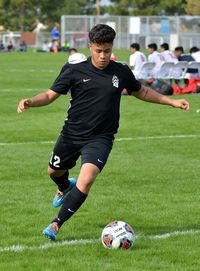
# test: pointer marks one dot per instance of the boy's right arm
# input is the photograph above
(44, 98)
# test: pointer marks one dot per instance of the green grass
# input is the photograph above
(151, 182)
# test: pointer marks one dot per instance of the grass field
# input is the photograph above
(151, 181)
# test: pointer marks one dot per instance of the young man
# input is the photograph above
(136, 59)
(93, 118)
(168, 55)
(156, 57)
(75, 57)
(195, 53)
(181, 56)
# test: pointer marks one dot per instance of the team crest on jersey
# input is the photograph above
(115, 81)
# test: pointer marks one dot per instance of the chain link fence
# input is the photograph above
(178, 30)
(175, 30)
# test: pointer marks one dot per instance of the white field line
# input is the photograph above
(173, 233)
(29, 70)
(50, 244)
(19, 248)
(156, 137)
(18, 90)
(118, 139)
(26, 143)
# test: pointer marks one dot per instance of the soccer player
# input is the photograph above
(195, 53)
(156, 57)
(181, 56)
(93, 118)
(168, 55)
(75, 57)
(136, 59)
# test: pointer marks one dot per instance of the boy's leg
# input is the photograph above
(79, 193)
(60, 177)
(74, 199)
(94, 157)
(65, 184)
(63, 158)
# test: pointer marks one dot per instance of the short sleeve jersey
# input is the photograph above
(95, 98)
(169, 56)
(158, 59)
(136, 60)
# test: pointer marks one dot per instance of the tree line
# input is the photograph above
(22, 15)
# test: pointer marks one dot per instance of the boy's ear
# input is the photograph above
(89, 45)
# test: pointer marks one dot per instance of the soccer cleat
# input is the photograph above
(60, 196)
(51, 231)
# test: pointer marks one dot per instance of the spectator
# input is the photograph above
(2, 47)
(22, 46)
(156, 57)
(55, 35)
(168, 55)
(45, 46)
(54, 46)
(10, 46)
(136, 59)
(65, 46)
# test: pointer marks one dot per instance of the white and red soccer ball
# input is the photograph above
(118, 235)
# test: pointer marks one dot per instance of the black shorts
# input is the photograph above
(66, 153)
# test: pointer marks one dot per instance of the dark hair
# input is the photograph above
(102, 33)
(153, 46)
(135, 46)
(194, 49)
(179, 48)
(165, 46)
(72, 50)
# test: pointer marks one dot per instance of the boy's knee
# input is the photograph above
(55, 172)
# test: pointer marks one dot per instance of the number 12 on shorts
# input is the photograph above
(54, 160)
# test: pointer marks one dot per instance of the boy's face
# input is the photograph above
(177, 53)
(150, 50)
(101, 54)
(132, 50)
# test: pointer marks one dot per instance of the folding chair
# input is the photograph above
(194, 65)
(179, 70)
(146, 71)
(165, 71)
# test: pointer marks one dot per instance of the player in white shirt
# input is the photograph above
(75, 57)
(168, 55)
(195, 53)
(136, 59)
(156, 57)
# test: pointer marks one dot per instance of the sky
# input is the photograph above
(105, 2)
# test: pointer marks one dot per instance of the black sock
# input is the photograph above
(62, 181)
(71, 204)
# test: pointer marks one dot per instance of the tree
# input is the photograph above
(147, 7)
(22, 14)
(17, 14)
(192, 7)
(78, 7)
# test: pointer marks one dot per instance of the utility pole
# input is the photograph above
(98, 9)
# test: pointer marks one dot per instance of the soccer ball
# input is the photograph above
(118, 235)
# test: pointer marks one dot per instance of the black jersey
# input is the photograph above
(95, 98)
